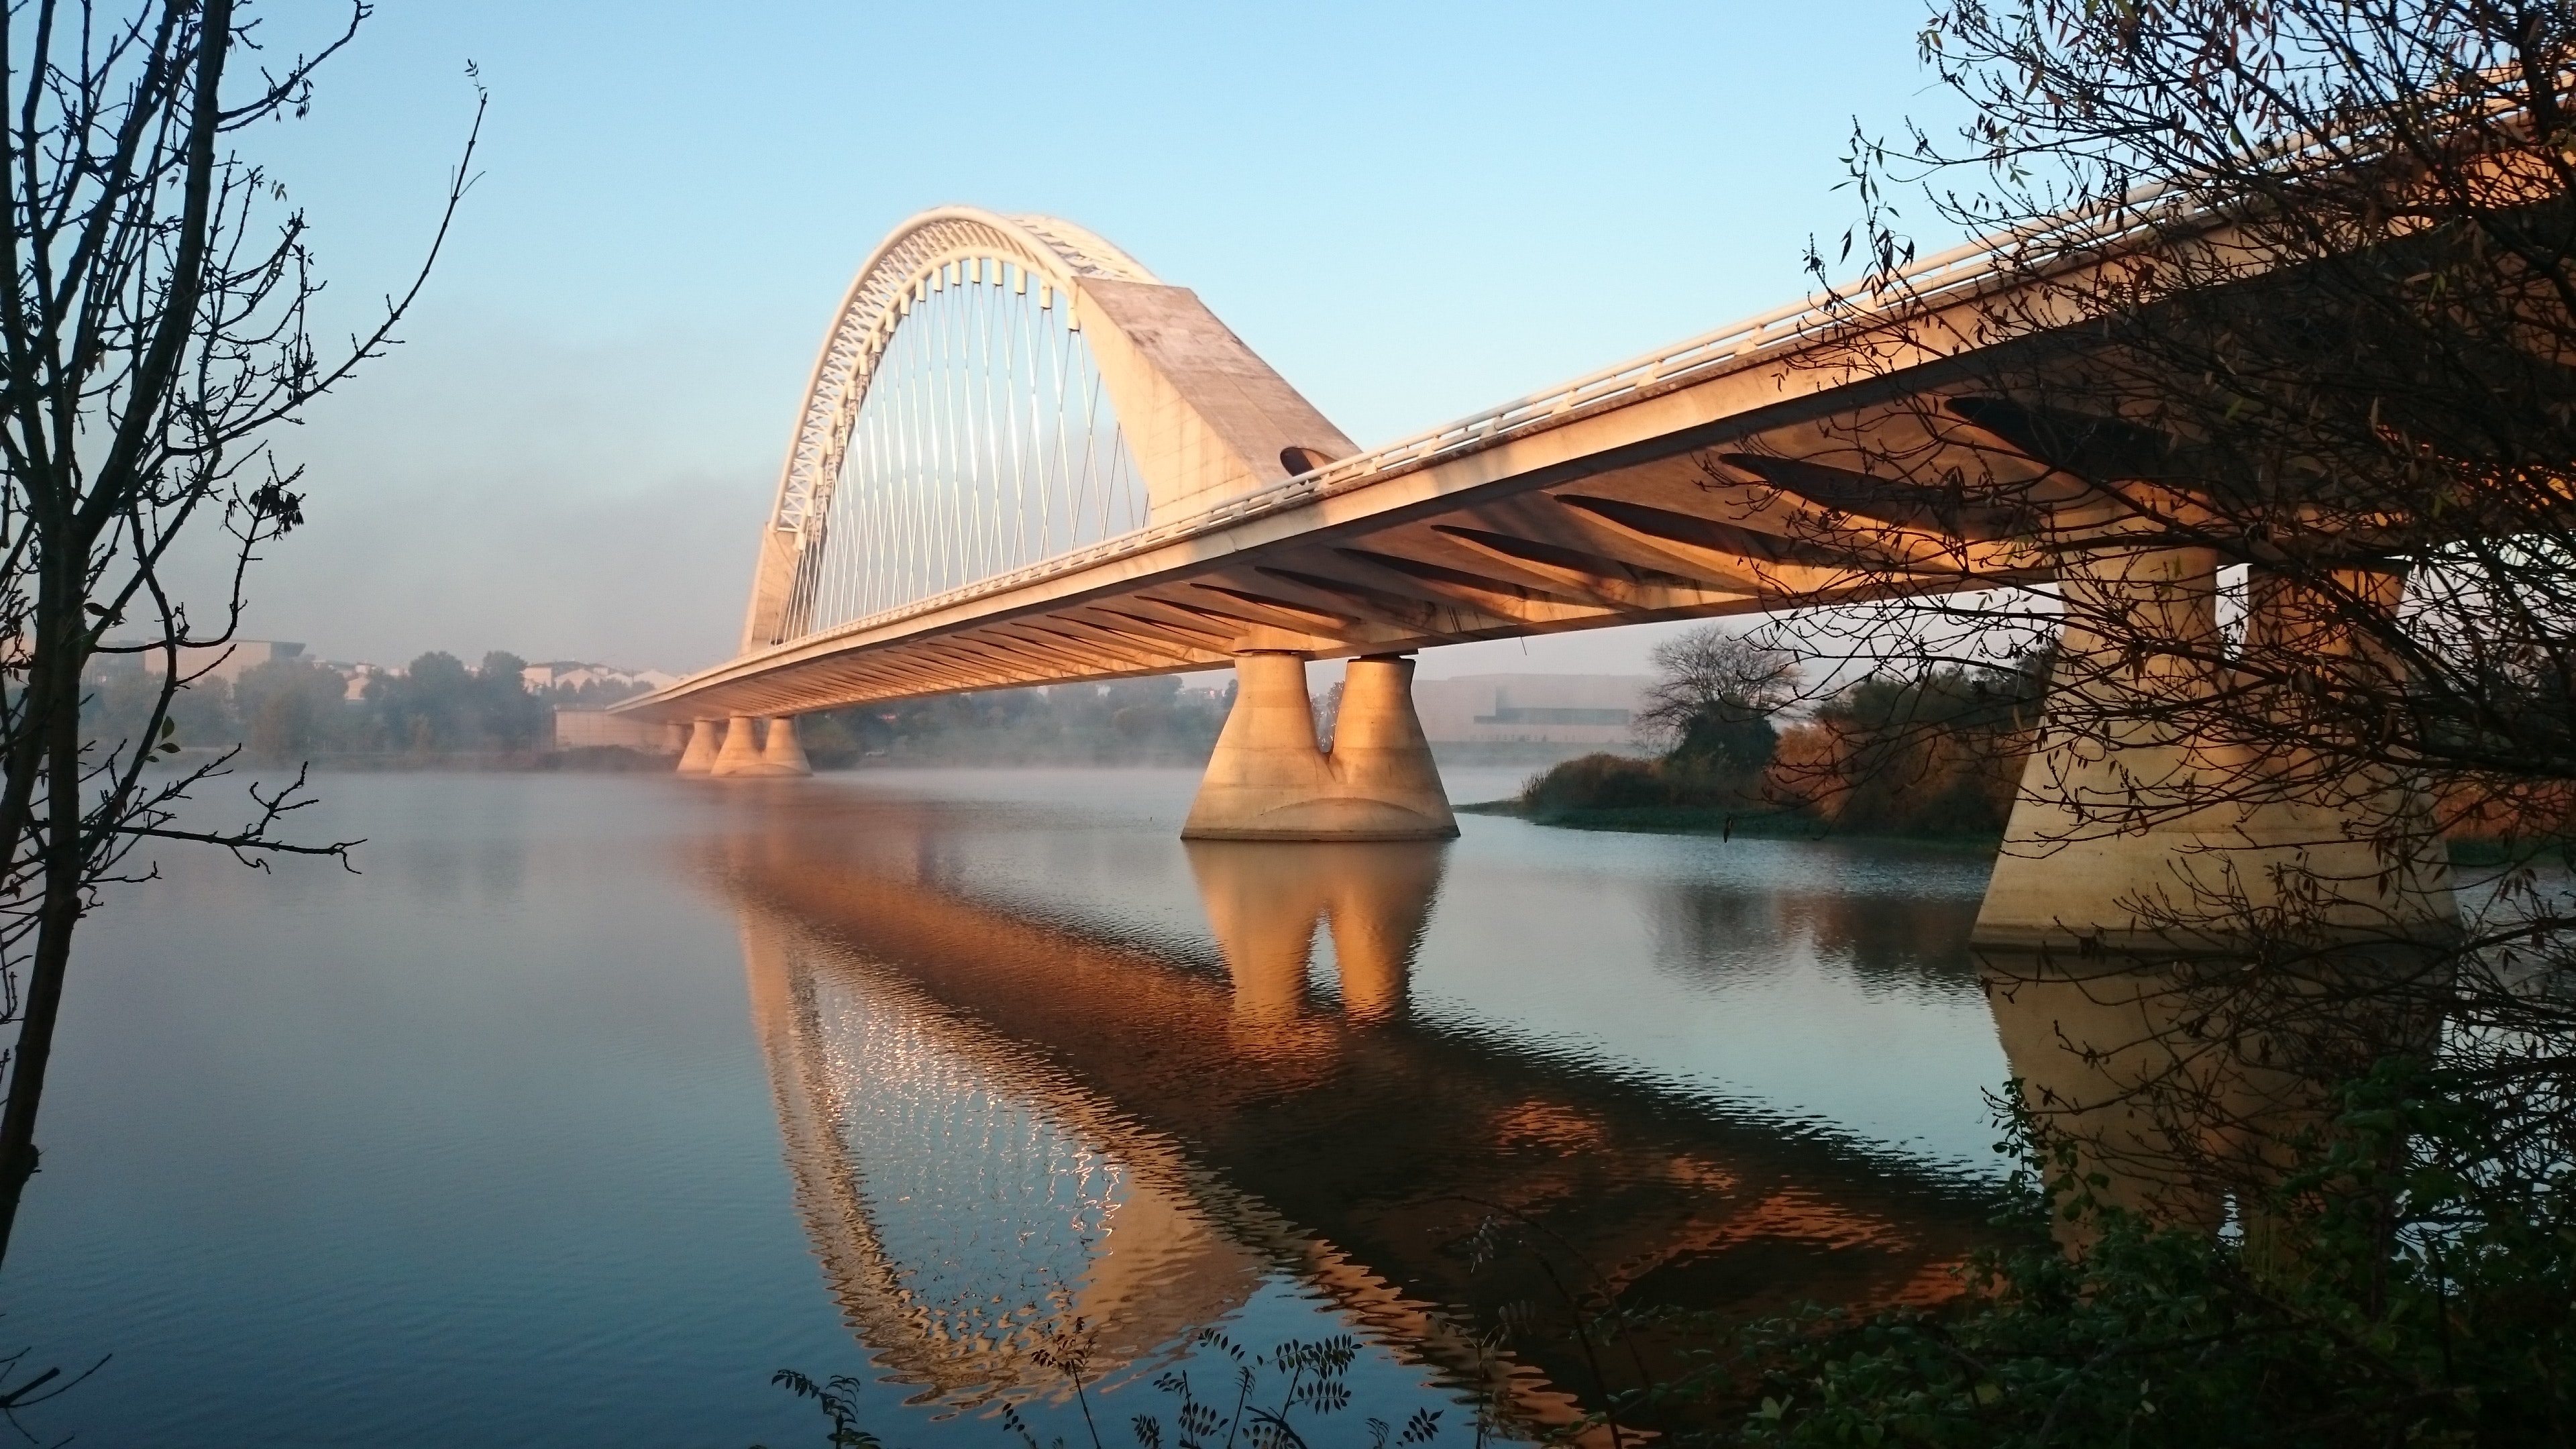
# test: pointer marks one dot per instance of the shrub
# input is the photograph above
(1596, 782)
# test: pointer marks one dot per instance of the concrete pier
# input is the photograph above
(740, 754)
(2159, 847)
(1269, 779)
(2130, 833)
(698, 757)
(780, 751)
(746, 757)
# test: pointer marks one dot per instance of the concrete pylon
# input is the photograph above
(699, 756)
(1270, 780)
(741, 752)
(2136, 836)
(780, 753)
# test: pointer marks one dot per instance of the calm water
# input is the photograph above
(595, 1099)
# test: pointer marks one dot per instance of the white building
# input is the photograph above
(572, 674)
(1563, 709)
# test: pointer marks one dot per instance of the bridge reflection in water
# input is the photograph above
(997, 1120)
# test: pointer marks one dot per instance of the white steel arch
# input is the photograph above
(912, 264)
(1142, 401)
(898, 270)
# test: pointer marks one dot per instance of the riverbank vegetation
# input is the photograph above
(1936, 753)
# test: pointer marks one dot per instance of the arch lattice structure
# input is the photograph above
(997, 390)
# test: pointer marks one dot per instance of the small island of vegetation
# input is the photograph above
(1935, 753)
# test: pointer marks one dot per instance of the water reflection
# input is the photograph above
(965, 1198)
(2183, 1084)
(1264, 901)
(999, 1113)
(1882, 937)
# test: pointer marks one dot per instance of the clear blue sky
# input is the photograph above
(1412, 210)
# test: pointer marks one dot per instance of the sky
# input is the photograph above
(1412, 211)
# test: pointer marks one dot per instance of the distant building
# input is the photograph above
(360, 676)
(1567, 709)
(227, 662)
(572, 674)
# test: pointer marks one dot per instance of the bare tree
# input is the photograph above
(155, 327)
(1714, 675)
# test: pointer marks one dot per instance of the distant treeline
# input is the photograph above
(1128, 722)
(298, 709)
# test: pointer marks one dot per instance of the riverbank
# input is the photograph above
(1704, 820)
(1785, 825)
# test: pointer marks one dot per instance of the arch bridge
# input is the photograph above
(1022, 458)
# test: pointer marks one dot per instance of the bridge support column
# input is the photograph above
(2134, 835)
(744, 757)
(698, 757)
(1270, 780)
(780, 753)
(740, 754)
(2148, 864)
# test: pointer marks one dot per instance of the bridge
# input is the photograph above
(1022, 458)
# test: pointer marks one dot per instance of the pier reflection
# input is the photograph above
(998, 1117)
(2185, 1085)
(1264, 901)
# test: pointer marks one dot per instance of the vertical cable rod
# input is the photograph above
(984, 442)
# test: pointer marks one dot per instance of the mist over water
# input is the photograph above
(593, 1100)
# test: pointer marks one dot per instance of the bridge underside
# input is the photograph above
(1703, 499)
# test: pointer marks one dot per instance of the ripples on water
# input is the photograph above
(476, 1146)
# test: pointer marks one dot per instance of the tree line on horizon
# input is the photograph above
(295, 710)
(292, 710)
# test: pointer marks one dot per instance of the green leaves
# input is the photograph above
(2412, 1281)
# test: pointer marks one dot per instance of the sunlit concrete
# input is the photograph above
(1269, 778)
(780, 751)
(1676, 486)
(740, 753)
(2152, 839)
(746, 755)
(698, 757)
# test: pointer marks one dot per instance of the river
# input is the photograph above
(591, 1100)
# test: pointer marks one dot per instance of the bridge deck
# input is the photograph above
(1694, 481)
